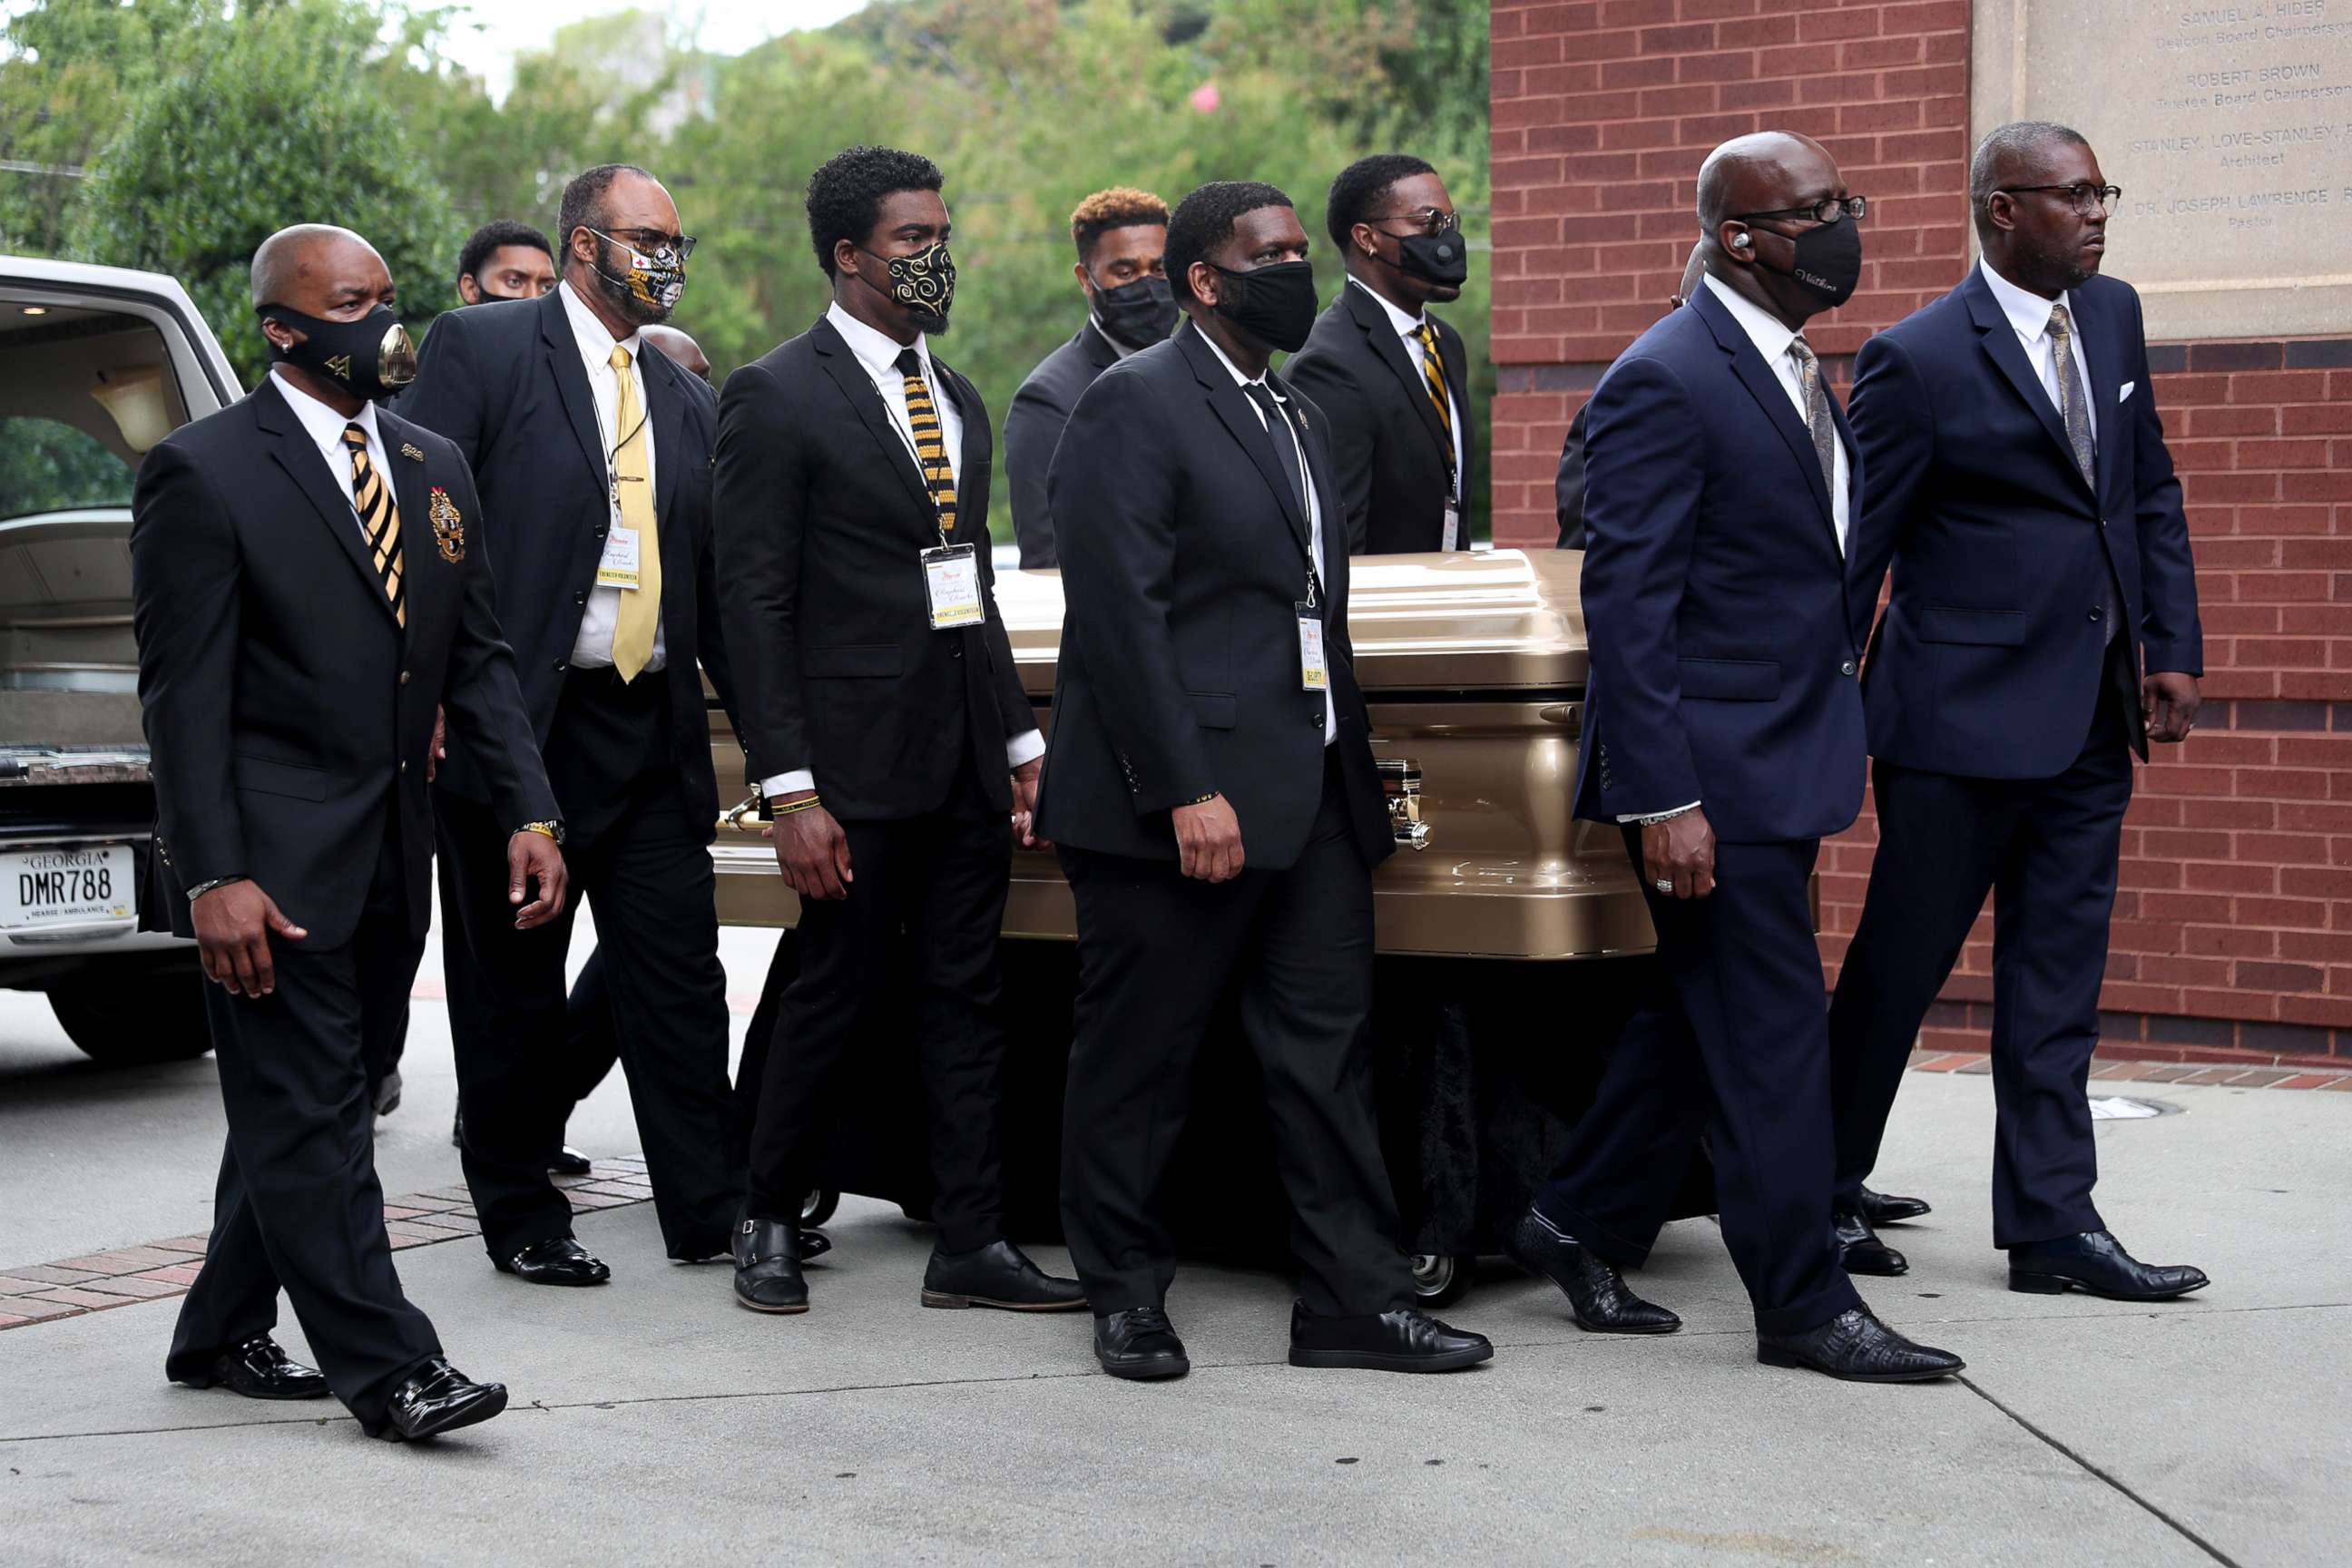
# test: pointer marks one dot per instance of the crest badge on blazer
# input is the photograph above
(449, 527)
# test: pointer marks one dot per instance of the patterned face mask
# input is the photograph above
(649, 290)
(924, 283)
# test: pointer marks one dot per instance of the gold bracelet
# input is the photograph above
(544, 829)
(797, 805)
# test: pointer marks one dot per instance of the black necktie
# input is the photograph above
(1285, 445)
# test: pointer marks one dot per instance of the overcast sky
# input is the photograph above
(486, 37)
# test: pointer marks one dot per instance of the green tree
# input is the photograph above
(271, 118)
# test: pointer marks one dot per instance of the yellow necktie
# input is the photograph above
(632, 634)
(1433, 374)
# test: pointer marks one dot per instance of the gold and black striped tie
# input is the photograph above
(379, 517)
(931, 441)
(1433, 372)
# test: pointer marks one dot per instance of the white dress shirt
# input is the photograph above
(592, 648)
(1409, 329)
(877, 353)
(2029, 315)
(1314, 504)
(1773, 337)
(325, 426)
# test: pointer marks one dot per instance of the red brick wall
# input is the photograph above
(2233, 930)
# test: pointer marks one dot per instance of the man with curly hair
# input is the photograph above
(883, 715)
(1121, 235)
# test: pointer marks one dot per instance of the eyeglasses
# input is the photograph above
(649, 240)
(1829, 209)
(1428, 220)
(2083, 196)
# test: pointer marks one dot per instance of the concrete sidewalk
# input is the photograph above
(657, 1422)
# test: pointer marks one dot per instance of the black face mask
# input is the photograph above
(1276, 305)
(1439, 258)
(1828, 262)
(924, 283)
(1137, 314)
(371, 357)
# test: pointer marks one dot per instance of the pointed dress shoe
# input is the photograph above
(1597, 1294)
(997, 1275)
(258, 1369)
(1858, 1247)
(436, 1398)
(1855, 1347)
(1407, 1340)
(2096, 1262)
(1139, 1343)
(558, 1260)
(768, 1266)
(569, 1162)
(1885, 1208)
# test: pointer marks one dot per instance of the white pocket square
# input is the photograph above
(2125, 396)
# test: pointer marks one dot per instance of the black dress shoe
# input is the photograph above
(1885, 1208)
(259, 1370)
(1597, 1294)
(1139, 1343)
(1857, 1348)
(558, 1260)
(768, 1266)
(1858, 1247)
(1407, 1340)
(2096, 1262)
(438, 1398)
(568, 1162)
(997, 1275)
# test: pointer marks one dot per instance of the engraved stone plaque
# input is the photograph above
(2229, 125)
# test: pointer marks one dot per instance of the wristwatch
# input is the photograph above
(544, 829)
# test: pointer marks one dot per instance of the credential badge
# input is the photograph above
(449, 527)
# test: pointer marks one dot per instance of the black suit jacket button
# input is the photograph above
(403, 767)
(404, 678)
(956, 652)
(580, 597)
(559, 667)
(2094, 612)
(1846, 669)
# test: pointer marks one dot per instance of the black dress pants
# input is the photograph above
(2046, 851)
(1157, 950)
(642, 863)
(298, 1206)
(1732, 1038)
(941, 880)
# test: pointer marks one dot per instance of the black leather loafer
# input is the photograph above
(1855, 1347)
(997, 1275)
(1597, 1294)
(2096, 1262)
(438, 1399)
(568, 1162)
(558, 1260)
(1139, 1343)
(1885, 1208)
(1858, 1247)
(1407, 1340)
(258, 1369)
(768, 1266)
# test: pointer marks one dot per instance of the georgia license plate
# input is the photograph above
(58, 890)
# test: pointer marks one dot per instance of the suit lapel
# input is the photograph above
(1771, 395)
(1403, 359)
(413, 495)
(1318, 474)
(972, 450)
(1241, 418)
(295, 452)
(2100, 385)
(563, 362)
(849, 376)
(666, 410)
(1999, 341)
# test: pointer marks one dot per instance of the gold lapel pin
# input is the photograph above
(408, 450)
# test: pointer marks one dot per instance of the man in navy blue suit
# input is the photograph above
(1723, 737)
(2019, 482)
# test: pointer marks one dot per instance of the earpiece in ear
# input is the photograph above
(1738, 242)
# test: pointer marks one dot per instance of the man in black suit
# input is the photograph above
(885, 716)
(1121, 235)
(1567, 485)
(1723, 738)
(1391, 379)
(2021, 486)
(307, 585)
(1211, 788)
(593, 455)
